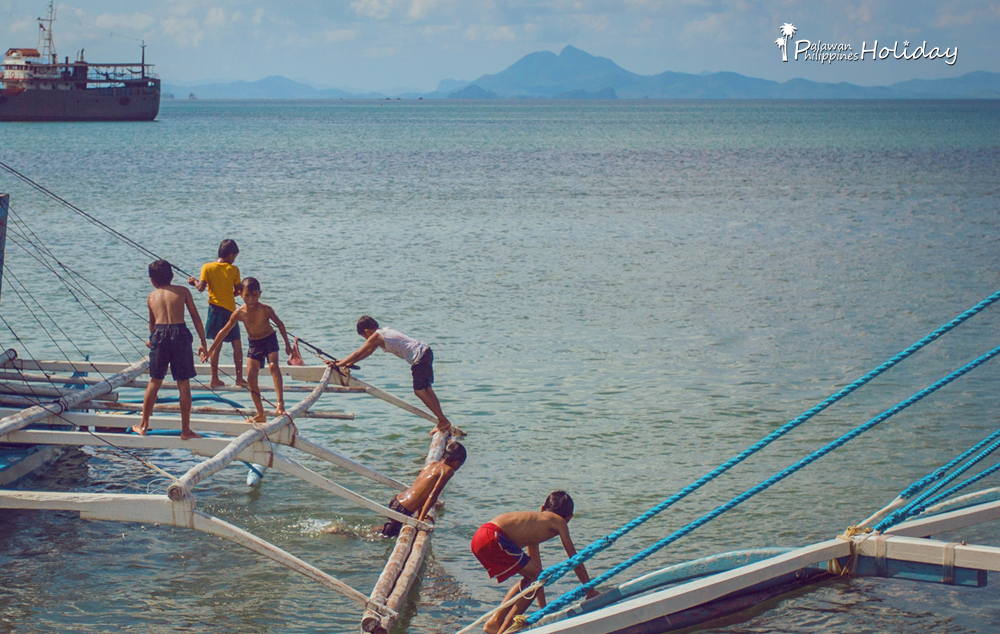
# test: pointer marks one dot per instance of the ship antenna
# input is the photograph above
(45, 43)
(143, 47)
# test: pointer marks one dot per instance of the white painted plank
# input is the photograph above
(951, 521)
(932, 551)
(688, 595)
(310, 373)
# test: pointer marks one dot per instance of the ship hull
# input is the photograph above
(136, 103)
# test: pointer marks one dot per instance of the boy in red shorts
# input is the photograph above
(500, 546)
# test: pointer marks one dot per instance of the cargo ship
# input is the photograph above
(37, 87)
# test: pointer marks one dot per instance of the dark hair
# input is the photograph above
(560, 503)
(366, 323)
(227, 248)
(454, 452)
(251, 284)
(160, 272)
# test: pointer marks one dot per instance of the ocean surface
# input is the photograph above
(620, 296)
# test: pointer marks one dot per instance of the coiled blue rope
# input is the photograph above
(573, 595)
(939, 473)
(901, 514)
(555, 572)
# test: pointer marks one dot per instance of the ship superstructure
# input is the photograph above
(37, 87)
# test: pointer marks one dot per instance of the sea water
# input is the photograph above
(620, 296)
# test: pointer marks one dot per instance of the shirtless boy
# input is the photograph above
(424, 492)
(417, 354)
(499, 546)
(222, 279)
(170, 344)
(257, 319)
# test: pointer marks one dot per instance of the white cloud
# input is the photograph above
(258, 15)
(375, 9)
(594, 22)
(489, 33)
(713, 26)
(216, 17)
(339, 35)
(135, 21)
(185, 31)
(380, 53)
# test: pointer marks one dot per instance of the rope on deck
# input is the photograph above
(562, 569)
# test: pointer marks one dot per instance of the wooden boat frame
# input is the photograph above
(904, 551)
(48, 412)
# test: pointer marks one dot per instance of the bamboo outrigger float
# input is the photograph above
(60, 417)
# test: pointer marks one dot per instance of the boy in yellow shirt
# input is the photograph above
(222, 280)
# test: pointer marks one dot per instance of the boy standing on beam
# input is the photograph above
(170, 344)
(417, 354)
(222, 279)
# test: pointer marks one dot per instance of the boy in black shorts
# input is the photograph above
(257, 318)
(170, 344)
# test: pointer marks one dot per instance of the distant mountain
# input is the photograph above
(473, 92)
(576, 74)
(547, 75)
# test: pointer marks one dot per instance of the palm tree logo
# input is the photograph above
(787, 31)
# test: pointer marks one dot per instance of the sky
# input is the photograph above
(413, 44)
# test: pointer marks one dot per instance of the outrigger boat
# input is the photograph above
(47, 406)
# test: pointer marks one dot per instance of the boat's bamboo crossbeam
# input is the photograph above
(930, 551)
(22, 402)
(37, 413)
(168, 385)
(211, 410)
(311, 373)
(125, 421)
(47, 392)
(189, 480)
(311, 448)
(963, 501)
(405, 560)
(380, 394)
(292, 468)
(160, 509)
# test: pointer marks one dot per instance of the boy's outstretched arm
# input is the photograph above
(196, 320)
(219, 338)
(281, 328)
(201, 285)
(442, 480)
(363, 352)
(581, 570)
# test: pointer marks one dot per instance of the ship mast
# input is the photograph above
(45, 44)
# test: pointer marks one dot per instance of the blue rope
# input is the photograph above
(554, 572)
(955, 489)
(939, 473)
(857, 431)
(899, 515)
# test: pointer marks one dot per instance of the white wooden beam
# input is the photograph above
(333, 457)
(672, 600)
(211, 410)
(37, 413)
(125, 421)
(931, 551)
(166, 385)
(310, 373)
(292, 468)
(160, 509)
(945, 522)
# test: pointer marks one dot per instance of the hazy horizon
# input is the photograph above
(382, 45)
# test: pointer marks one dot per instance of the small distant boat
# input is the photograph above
(37, 87)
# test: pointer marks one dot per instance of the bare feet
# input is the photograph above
(242, 383)
(139, 429)
(188, 435)
(280, 410)
(216, 383)
(259, 418)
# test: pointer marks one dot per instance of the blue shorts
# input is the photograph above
(217, 318)
(423, 371)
